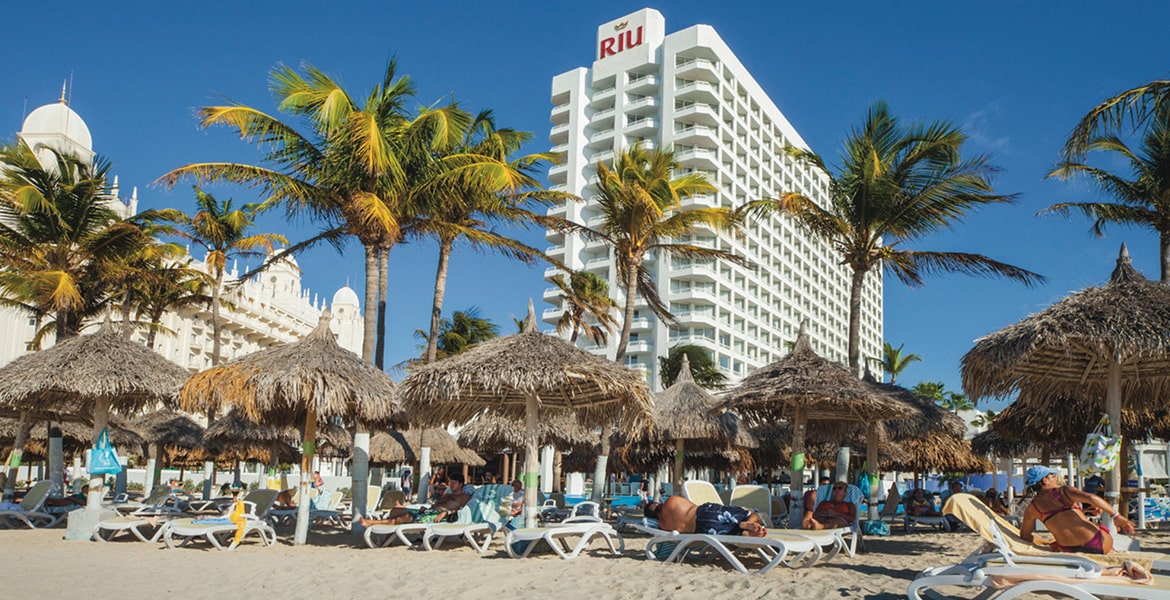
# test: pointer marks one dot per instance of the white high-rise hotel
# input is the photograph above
(687, 91)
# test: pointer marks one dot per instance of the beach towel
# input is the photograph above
(1127, 572)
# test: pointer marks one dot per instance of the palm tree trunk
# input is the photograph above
(126, 314)
(437, 303)
(631, 285)
(215, 325)
(383, 286)
(151, 335)
(370, 319)
(855, 288)
(1164, 250)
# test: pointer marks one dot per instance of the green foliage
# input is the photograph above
(894, 362)
(936, 392)
(461, 332)
(585, 298)
(703, 368)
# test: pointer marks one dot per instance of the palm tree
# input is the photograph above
(703, 368)
(896, 184)
(894, 362)
(465, 206)
(171, 287)
(640, 204)
(61, 245)
(585, 296)
(1143, 200)
(223, 233)
(464, 330)
(642, 213)
(1132, 106)
(346, 171)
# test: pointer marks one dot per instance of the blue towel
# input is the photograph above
(215, 521)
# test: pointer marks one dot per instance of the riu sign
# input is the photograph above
(624, 40)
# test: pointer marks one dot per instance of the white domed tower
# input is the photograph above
(347, 320)
(283, 279)
(56, 126)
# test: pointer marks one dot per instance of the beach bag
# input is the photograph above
(1102, 450)
(102, 459)
(878, 528)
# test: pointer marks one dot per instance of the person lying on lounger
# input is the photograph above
(682, 515)
(834, 513)
(1059, 508)
(451, 502)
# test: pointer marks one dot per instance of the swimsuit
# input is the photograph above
(717, 519)
(427, 515)
(1045, 515)
(1095, 545)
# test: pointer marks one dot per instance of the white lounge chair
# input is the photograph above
(519, 543)
(830, 541)
(217, 532)
(675, 547)
(910, 521)
(1006, 559)
(477, 522)
(31, 511)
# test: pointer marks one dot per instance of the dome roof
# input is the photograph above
(345, 296)
(57, 119)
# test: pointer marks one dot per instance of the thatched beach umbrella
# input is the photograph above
(933, 440)
(234, 438)
(313, 382)
(493, 433)
(90, 375)
(803, 386)
(166, 431)
(823, 439)
(76, 437)
(399, 446)
(525, 374)
(690, 420)
(1111, 342)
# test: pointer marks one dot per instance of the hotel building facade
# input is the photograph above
(688, 92)
(270, 309)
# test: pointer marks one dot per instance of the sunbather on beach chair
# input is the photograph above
(435, 513)
(834, 512)
(682, 515)
(30, 512)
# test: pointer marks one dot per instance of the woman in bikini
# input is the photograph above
(834, 513)
(1059, 508)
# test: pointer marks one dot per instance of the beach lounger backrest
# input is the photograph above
(484, 506)
(701, 492)
(263, 501)
(34, 499)
(852, 494)
(755, 497)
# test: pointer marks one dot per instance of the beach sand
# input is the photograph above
(39, 564)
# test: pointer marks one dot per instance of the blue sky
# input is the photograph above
(1016, 76)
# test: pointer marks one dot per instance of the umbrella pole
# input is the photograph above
(677, 470)
(151, 461)
(359, 473)
(1113, 407)
(532, 410)
(796, 473)
(101, 417)
(22, 427)
(309, 449)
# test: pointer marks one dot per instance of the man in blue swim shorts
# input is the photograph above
(682, 515)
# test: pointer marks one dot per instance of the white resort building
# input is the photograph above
(268, 309)
(687, 91)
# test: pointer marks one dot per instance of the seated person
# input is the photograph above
(682, 515)
(285, 497)
(956, 487)
(834, 513)
(77, 499)
(809, 500)
(1059, 508)
(451, 502)
(995, 503)
(920, 506)
(517, 498)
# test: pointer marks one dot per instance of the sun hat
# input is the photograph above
(1035, 474)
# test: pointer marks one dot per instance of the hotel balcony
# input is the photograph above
(605, 156)
(698, 68)
(643, 106)
(700, 200)
(697, 135)
(644, 84)
(596, 262)
(560, 148)
(549, 272)
(696, 318)
(694, 272)
(601, 139)
(603, 99)
(557, 250)
(551, 315)
(640, 324)
(701, 114)
(602, 119)
(637, 346)
(558, 174)
(551, 293)
(560, 114)
(559, 134)
(642, 127)
(699, 158)
(698, 91)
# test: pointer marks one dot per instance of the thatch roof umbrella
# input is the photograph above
(166, 432)
(822, 441)
(525, 374)
(233, 437)
(399, 446)
(90, 375)
(933, 440)
(1111, 341)
(313, 381)
(492, 433)
(76, 436)
(803, 386)
(688, 418)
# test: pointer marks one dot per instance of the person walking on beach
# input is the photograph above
(405, 483)
(1059, 508)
